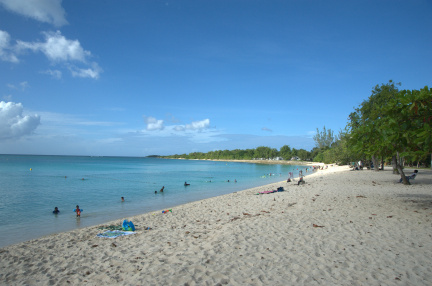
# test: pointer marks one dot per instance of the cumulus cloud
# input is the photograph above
(56, 48)
(198, 125)
(13, 124)
(153, 123)
(6, 51)
(48, 11)
(194, 126)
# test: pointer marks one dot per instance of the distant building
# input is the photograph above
(295, 158)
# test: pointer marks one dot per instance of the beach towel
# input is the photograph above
(114, 233)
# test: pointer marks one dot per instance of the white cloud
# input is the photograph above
(54, 73)
(266, 129)
(6, 53)
(179, 128)
(57, 48)
(93, 72)
(194, 126)
(7, 97)
(198, 125)
(153, 123)
(48, 11)
(21, 86)
(13, 124)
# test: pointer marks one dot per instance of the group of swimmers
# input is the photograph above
(77, 209)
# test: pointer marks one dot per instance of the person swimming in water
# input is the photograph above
(56, 210)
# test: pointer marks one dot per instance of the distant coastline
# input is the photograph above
(268, 162)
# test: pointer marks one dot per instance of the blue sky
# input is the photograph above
(136, 78)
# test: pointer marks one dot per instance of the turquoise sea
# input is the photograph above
(31, 186)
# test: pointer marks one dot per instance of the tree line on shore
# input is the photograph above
(392, 126)
(262, 152)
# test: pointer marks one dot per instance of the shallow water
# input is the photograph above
(31, 186)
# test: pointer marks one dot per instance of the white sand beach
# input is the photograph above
(340, 228)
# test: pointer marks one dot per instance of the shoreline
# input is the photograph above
(140, 214)
(341, 227)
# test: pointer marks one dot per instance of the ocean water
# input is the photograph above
(31, 186)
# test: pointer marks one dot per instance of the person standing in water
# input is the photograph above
(78, 211)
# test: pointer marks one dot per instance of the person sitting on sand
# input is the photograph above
(413, 175)
(56, 210)
(301, 181)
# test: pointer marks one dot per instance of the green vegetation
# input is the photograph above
(266, 153)
(392, 126)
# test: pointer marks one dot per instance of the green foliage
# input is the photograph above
(262, 152)
(366, 123)
(393, 123)
(325, 138)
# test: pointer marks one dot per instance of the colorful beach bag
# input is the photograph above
(128, 225)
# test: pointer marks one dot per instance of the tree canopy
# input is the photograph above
(393, 123)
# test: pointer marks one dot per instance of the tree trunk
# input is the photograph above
(394, 165)
(375, 162)
(399, 166)
(382, 163)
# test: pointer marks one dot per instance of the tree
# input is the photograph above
(366, 123)
(393, 124)
(303, 154)
(285, 152)
(324, 138)
(407, 126)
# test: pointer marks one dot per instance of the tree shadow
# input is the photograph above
(418, 200)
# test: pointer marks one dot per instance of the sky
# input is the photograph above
(139, 78)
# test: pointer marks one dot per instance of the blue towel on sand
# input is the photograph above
(114, 233)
